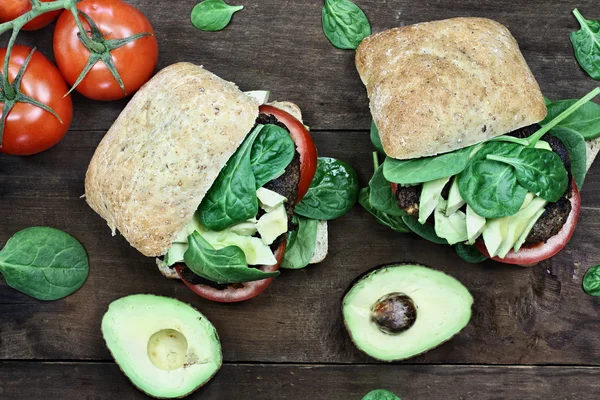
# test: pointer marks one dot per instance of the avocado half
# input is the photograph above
(167, 348)
(395, 312)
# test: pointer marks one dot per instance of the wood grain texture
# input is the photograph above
(534, 315)
(279, 45)
(50, 381)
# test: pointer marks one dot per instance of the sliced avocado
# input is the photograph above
(166, 348)
(175, 253)
(452, 228)
(262, 96)
(247, 228)
(519, 222)
(269, 199)
(475, 225)
(528, 229)
(272, 225)
(399, 311)
(455, 200)
(430, 194)
(494, 233)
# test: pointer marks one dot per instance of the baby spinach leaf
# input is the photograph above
(381, 196)
(469, 253)
(491, 187)
(301, 243)
(591, 281)
(419, 170)
(272, 151)
(380, 394)
(575, 144)
(585, 121)
(539, 171)
(332, 193)
(226, 265)
(586, 43)
(394, 222)
(44, 263)
(426, 231)
(232, 197)
(375, 139)
(344, 23)
(213, 15)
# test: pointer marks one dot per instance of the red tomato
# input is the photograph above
(29, 129)
(12, 9)
(304, 144)
(236, 294)
(528, 256)
(135, 61)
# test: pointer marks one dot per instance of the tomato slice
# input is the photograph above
(304, 144)
(531, 255)
(235, 294)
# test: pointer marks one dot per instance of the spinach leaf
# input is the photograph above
(539, 171)
(491, 187)
(381, 196)
(226, 265)
(586, 43)
(419, 170)
(380, 394)
(394, 222)
(213, 15)
(300, 243)
(585, 121)
(375, 139)
(575, 144)
(272, 151)
(344, 23)
(469, 253)
(44, 263)
(591, 281)
(426, 231)
(332, 193)
(232, 197)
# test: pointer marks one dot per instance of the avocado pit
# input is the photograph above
(394, 313)
(167, 349)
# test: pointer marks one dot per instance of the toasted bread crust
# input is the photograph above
(160, 157)
(439, 86)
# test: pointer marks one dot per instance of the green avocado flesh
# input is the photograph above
(443, 308)
(165, 347)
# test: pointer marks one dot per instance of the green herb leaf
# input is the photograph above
(272, 151)
(585, 121)
(344, 23)
(469, 253)
(591, 281)
(300, 243)
(381, 196)
(44, 263)
(586, 43)
(232, 197)
(226, 265)
(380, 394)
(332, 193)
(539, 171)
(213, 15)
(375, 139)
(426, 231)
(419, 170)
(575, 144)
(491, 187)
(396, 223)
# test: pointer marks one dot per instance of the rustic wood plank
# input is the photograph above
(279, 45)
(532, 316)
(34, 381)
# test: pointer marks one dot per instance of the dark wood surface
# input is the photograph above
(534, 332)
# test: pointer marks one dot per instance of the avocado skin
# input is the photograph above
(376, 269)
(209, 379)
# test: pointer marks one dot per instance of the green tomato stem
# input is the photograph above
(87, 41)
(37, 9)
(9, 91)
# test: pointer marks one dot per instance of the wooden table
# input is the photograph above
(534, 332)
